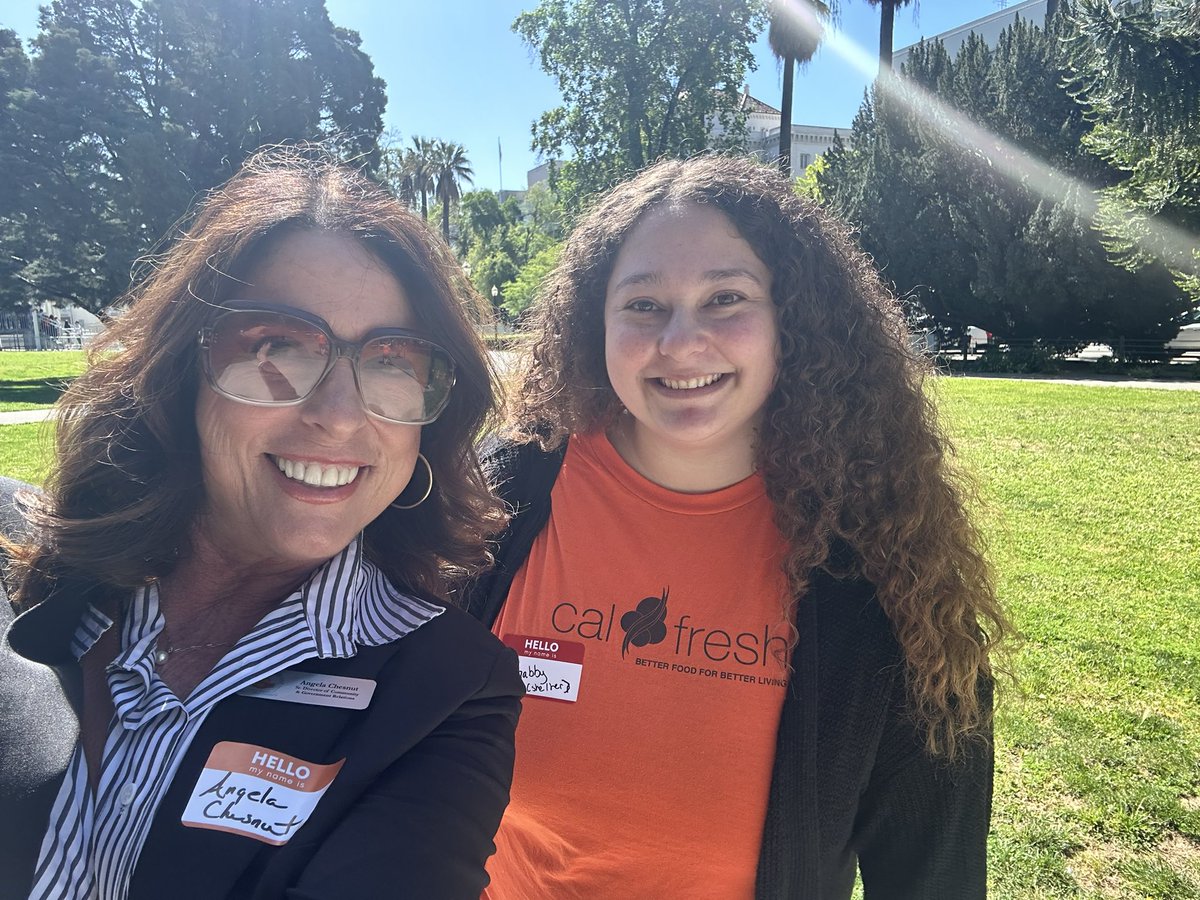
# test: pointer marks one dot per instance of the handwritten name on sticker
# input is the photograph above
(312, 688)
(256, 792)
(550, 667)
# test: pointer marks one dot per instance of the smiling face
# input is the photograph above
(290, 486)
(691, 341)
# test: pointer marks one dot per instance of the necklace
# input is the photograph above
(162, 654)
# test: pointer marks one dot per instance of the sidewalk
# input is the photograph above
(1095, 381)
(21, 416)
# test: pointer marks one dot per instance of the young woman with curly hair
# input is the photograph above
(753, 613)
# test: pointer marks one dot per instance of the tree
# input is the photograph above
(480, 216)
(498, 240)
(887, 27)
(808, 184)
(965, 242)
(419, 165)
(794, 34)
(1137, 74)
(543, 211)
(640, 80)
(450, 167)
(520, 293)
(393, 170)
(132, 109)
(15, 230)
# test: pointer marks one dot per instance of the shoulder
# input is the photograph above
(852, 631)
(445, 625)
(12, 520)
(522, 475)
(456, 627)
(454, 648)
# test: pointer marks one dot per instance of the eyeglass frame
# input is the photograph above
(342, 348)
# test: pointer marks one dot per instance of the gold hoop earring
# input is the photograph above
(428, 487)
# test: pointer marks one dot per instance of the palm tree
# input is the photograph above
(797, 27)
(405, 181)
(887, 27)
(393, 167)
(450, 166)
(419, 165)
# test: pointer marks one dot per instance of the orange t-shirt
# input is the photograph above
(654, 644)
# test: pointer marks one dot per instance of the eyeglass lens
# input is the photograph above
(265, 357)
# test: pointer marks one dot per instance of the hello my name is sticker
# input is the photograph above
(256, 792)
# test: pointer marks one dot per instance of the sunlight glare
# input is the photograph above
(1177, 247)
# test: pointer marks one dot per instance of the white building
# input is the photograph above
(988, 27)
(762, 134)
(539, 173)
(762, 137)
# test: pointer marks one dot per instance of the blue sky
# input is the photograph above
(456, 71)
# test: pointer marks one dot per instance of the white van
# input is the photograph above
(1185, 346)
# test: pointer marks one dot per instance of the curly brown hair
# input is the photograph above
(127, 485)
(849, 447)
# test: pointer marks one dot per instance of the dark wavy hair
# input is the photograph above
(126, 484)
(849, 446)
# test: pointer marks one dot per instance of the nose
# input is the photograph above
(335, 405)
(683, 335)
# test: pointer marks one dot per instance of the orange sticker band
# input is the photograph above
(262, 762)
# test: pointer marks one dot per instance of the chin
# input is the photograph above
(311, 547)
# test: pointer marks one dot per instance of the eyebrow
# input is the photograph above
(710, 275)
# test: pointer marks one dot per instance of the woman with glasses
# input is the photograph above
(233, 674)
(753, 615)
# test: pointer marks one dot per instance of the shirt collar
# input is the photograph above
(349, 603)
(346, 603)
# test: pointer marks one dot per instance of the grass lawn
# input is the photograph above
(30, 378)
(26, 450)
(1093, 499)
(1092, 507)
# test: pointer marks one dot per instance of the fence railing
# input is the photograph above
(67, 339)
(1118, 349)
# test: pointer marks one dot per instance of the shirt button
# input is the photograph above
(126, 794)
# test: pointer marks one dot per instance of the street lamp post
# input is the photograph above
(495, 315)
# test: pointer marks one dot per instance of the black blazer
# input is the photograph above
(412, 812)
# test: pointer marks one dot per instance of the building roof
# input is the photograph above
(751, 105)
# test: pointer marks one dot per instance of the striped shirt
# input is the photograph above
(92, 841)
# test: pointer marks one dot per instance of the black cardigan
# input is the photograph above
(851, 781)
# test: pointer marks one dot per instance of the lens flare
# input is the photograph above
(1178, 248)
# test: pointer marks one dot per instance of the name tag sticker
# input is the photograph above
(318, 690)
(256, 792)
(550, 667)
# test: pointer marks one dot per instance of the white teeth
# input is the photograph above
(690, 383)
(316, 474)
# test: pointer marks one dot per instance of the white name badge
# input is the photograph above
(256, 792)
(550, 667)
(318, 690)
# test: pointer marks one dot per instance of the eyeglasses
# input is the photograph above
(267, 354)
